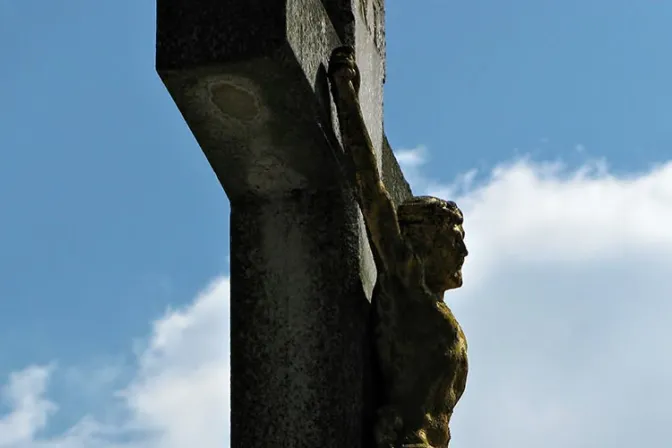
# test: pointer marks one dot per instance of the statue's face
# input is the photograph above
(446, 258)
(456, 256)
(434, 227)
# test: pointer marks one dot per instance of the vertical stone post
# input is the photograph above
(249, 78)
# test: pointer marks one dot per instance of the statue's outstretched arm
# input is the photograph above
(377, 206)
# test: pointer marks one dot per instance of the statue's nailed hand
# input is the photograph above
(343, 68)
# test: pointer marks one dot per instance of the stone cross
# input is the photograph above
(249, 78)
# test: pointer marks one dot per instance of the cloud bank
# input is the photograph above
(178, 397)
(565, 305)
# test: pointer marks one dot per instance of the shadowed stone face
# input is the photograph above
(248, 77)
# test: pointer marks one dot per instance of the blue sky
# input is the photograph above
(484, 77)
(549, 121)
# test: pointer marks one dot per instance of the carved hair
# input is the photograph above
(423, 219)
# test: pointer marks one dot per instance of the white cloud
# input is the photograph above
(181, 393)
(565, 304)
(412, 161)
(413, 157)
(30, 410)
(178, 397)
(543, 212)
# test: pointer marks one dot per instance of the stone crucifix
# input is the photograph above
(250, 78)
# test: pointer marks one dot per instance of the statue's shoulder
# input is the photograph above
(407, 268)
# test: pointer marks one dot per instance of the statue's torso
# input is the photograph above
(422, 354)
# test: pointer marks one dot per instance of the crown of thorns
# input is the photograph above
(429, 210)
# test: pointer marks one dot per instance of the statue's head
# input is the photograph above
(433, 227)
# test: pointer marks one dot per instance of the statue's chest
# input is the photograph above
(411, 316)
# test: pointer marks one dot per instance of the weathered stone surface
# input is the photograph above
(393, 178)
(298, 359)
(249, 78)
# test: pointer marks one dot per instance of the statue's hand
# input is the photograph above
(342, 66)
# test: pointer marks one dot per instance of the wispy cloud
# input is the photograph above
(178, 395)
(412, 158)
(24, 394)
(412, 162)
